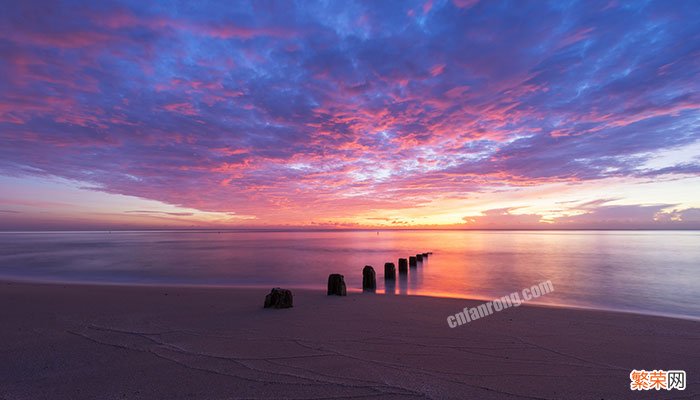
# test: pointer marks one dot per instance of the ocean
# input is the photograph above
(649, 272)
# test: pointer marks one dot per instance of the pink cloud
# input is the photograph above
(465, 3)
(437, 69)
(181, 108)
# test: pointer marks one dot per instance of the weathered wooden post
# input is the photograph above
(425, 255)
(403, 266)
(419, 257)
(369, 279)
(389, 272)
(412, 261)
(279, 298)
(336, 285)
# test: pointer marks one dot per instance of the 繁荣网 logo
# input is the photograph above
(657, 379)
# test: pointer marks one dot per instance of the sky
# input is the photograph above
(343, 114)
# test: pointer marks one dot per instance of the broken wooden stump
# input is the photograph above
(279, 298)
(412, 261)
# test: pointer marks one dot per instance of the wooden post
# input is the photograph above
(369, 279)
(336, 285)
(389, 272)
(403, 266)
(412, 261)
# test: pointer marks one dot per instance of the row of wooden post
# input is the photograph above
(282, 298)
(369, 277)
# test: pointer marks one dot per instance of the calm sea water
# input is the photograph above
(655, 272)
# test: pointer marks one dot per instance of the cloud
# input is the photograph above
(503, 218)
(596, 214)
(689, 216)
(603, 215)
(296, 112)
(176, 214)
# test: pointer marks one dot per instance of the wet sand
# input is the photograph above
(121, 342)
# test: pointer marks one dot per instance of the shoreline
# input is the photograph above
(136, 342)
(4, 281)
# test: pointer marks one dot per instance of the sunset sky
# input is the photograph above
(460, 114)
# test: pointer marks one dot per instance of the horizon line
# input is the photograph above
(341, 229)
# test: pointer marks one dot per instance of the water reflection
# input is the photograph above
(390, 286)
(403, 284)
(415, 278)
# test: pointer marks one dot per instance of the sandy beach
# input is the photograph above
(119, 342)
